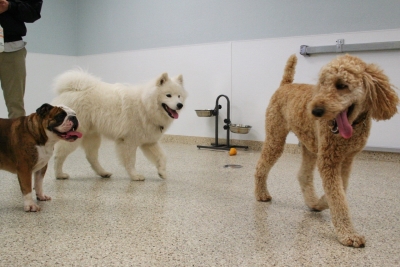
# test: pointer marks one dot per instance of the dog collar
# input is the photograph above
(335, 129)
(360, 119)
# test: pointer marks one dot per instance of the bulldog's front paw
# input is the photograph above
(42, 197)
(62, 176)
(31, 206)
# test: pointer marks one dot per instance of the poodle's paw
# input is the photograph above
(105, 174)
(318, 208)
(62, 176)
(352, 240)
(42, 197)
(137, 177)
(263, 196)
(31, 206)
(321, 205)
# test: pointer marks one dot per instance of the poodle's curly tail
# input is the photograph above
(290, 67)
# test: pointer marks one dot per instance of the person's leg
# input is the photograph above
(13, 76)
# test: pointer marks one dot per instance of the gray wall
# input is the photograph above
(57, 31)
(86, 27)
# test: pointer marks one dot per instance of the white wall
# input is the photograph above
(248, 72)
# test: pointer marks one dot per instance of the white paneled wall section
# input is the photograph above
(248, 72)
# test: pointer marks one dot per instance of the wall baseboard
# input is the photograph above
(366, 154)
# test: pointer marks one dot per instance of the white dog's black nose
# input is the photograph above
(179, 106)
(318, 112)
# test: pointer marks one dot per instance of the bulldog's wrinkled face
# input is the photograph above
(61, 120)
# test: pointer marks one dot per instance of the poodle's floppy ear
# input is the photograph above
(382, 98)
(162, 79)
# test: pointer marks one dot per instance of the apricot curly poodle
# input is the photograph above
(332, 120)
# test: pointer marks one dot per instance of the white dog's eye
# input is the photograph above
(169, 95)
(179, 96)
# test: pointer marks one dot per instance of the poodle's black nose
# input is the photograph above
(318, 112)
(179, 106)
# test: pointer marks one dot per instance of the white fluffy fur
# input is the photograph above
(132, 116)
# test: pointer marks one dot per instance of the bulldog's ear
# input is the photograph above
(163, 78)
(179, 79)
(44, 110)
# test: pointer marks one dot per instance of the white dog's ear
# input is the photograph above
(179, 79)
(163, 78)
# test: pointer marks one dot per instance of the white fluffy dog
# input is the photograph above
(132, 116)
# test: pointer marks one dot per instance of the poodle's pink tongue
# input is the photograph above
(345, 129)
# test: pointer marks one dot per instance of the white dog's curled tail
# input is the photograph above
(75, 80)
(288, 74)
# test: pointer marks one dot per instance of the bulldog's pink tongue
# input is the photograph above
(345, 129)
(73, 133)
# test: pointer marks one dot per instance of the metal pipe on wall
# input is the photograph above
(340, 47)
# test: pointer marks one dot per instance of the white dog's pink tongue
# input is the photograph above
(345, 129)
(173, 113)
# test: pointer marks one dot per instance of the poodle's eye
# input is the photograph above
(341, 86)
(169, 95)
(179, 96)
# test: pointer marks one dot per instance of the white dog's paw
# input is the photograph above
(137, 177)
(105, 174)
(162, 174)
(31, 206)
(62, 176)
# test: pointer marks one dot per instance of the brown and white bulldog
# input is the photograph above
(27, 142)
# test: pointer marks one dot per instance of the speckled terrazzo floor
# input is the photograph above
(202, 215)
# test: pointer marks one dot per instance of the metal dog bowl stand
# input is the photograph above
(227, 122)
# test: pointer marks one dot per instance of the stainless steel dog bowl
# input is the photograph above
(204, 112)
(240, 128)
